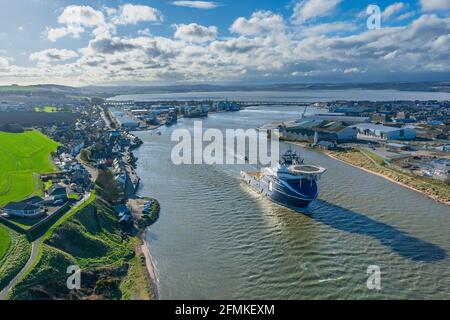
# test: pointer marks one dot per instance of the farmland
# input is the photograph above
(23, 156)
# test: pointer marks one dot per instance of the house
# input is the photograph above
(57, 192)
(80, 177)
(28, 208)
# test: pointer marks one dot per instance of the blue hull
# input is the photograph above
(291, 195)
(288, 201)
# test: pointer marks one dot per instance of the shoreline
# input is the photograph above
(432, 197)
(435, 198)
(149, 268)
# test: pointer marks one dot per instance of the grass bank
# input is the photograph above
(91, 239)
(16, 251)
(5, 241)
(371, 162)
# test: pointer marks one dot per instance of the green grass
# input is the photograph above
(90, 238)
(5, 241)
(22, 157)
(15, 259)
(73, 196)
(48, 109)
(375, 157)
(48, 184)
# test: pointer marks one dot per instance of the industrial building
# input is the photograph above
(336, 117)
(315, 131)
(370, 131)
(123, 120)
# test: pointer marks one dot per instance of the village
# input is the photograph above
(88, 150)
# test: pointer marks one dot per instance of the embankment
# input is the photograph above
(436, 190)
(91, 239)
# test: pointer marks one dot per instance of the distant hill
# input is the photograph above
(406, 86)
(107, 91)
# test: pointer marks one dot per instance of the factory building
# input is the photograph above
(123, 120)
(370, 131)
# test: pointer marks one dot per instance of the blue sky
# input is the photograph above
(160, 41)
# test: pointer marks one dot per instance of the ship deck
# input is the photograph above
(253, 174)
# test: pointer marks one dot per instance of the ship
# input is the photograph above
(196, 111)
(290, 183)
(227, 106)
(171, 118)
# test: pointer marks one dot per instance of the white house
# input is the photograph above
(29, 208)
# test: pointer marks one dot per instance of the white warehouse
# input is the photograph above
(370, 131)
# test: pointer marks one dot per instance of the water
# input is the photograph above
(217, 239)
(294, 96)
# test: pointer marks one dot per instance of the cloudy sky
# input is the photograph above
(227, 41)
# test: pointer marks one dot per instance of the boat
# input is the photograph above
(196, 111)
(290, 183)
(171, 118)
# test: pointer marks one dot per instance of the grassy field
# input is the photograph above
(22, 156)
(5, 241)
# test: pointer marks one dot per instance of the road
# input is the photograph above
(34, 253)
(33, 256)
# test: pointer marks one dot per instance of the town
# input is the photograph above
(410, 135)
(91, 143)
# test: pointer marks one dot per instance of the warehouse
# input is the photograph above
(370, 131)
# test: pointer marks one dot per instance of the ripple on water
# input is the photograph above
(217, 239)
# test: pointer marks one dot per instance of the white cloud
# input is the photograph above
(75, 19)
(310, 9)
(81, 16)
(53, 55)
(406, 15)
(392, 10)
(391, 55)
(195, 33)
(197, 4)
(54, 34)
(4, 63)
(261, 45)
(261, 22)
(132, 14)
(326, 28)
(432, 5)
(144, 32)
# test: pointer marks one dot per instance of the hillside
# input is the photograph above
(14, 253)
(22, 157)
(91, 240)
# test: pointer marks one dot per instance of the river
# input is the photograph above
(293, 96)
(217, 239)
